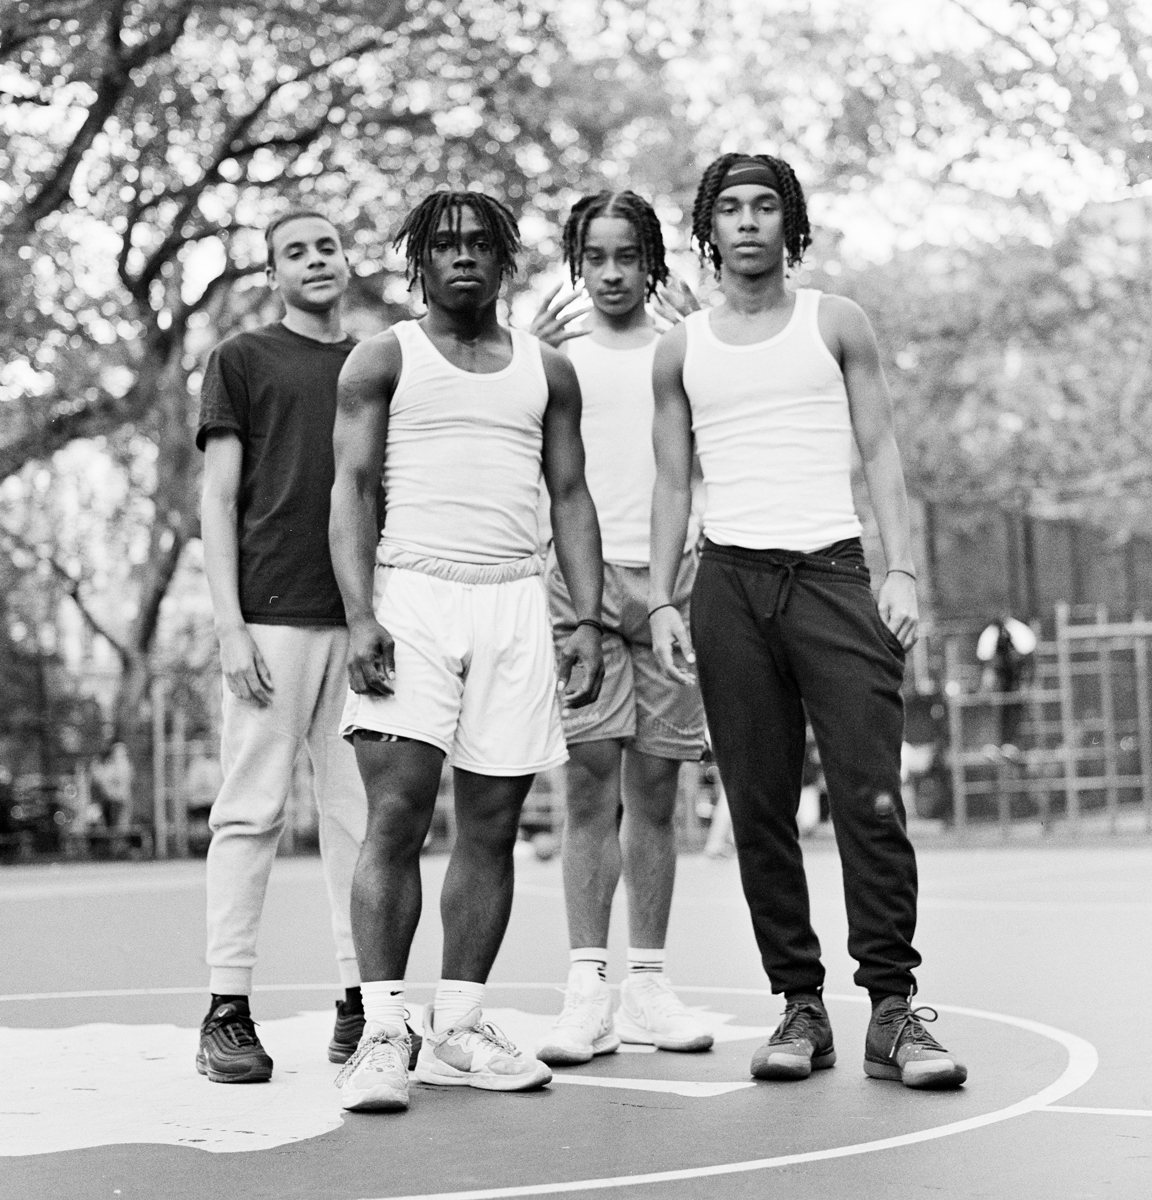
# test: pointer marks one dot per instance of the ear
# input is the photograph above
(270, 275)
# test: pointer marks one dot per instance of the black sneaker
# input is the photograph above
(801, 1044)
(899, 1047)
(230, 1051)
(350, 1027)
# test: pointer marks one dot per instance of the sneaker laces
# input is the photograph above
(799, 1017)
(368, 1046)
(910, 1029)
(236, 1026)
(489, 1033)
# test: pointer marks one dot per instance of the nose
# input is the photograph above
(611, 270)
(748, 218)
(464, 256)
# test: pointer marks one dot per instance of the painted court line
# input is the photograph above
(676, 1087)
(1082, 1063)
(1098, 1112)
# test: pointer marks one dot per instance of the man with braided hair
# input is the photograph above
(450, 651)
(626, 749)
(772, 386)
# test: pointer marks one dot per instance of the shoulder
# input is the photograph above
(381, 353)
(842, 314)
(671, 346)
(558, 368)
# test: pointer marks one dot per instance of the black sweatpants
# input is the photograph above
(776, 634)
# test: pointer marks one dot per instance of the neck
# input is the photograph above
(320, 327)
(621, 329)
(469, 325)
(754, 293)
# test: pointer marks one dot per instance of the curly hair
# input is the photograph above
(421, 224)
(797, 233)
(631, 208)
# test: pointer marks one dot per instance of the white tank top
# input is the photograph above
(462, 458)
(616, 427)
(774, 435)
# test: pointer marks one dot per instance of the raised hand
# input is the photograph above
(551, 321)
(674, 300)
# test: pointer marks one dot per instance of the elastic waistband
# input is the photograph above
(844, 558)
(459, 572)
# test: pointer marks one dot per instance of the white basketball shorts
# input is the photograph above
(475, 672)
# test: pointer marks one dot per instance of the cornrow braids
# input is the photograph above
(797, 233)
(630, 207)
(421, 224)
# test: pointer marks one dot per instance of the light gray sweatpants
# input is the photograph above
(258, 748)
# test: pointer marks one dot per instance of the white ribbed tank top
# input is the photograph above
(774, 435)
(616, 428)
(462, 457)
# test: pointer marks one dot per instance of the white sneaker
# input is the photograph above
(651, 1014)
(375, 1078)
(583, 1029)
(474, 1053)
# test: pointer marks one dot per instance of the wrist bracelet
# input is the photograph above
(658, 608)
(900, 571)
(597, 625)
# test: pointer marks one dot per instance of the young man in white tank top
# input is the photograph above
(450, 651)
(772, 387)
(626, 749)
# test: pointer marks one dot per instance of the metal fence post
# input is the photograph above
(159, 782)
(1067, 719)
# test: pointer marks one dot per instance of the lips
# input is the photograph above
(466, 279)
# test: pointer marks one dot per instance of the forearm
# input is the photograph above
(885, 478)
(219, 532)
(352, 544)
(576, 536)
(671, 506)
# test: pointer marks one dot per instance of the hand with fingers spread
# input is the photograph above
(674, 300)
(668, 636)
(551, 321)
(583, 656)
(371, 658)
(245, 671)
(898, 607)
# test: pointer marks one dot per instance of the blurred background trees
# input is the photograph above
(977, 168)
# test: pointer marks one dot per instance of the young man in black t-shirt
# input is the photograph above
(268, 405)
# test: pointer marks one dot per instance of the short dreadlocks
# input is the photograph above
(633, 209)
(797, 234)
(421, 224)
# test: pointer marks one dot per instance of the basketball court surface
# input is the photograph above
(1037, 957)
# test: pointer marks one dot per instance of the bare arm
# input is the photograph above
(671, 500)
(364, 392)
(245, 672)
(870, 404)
(575, 529)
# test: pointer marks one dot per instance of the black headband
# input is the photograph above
(750, 170)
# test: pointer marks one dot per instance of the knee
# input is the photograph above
(490, 840)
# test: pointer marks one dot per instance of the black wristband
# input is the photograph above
(597, 625)
(900, 571)
(658, 608)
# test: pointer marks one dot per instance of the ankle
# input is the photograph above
(588, 960)
(241, 1002)
(454, 1000)
(383, 1002)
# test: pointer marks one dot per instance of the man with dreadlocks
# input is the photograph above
(773, 386)
(450, 651)
(626, 749)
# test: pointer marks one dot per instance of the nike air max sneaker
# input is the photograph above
(230, 1051)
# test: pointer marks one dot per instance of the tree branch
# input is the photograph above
(71, 585)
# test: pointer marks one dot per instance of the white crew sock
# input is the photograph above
(645, 962)
(454, 1000)
(384, 1002)
(589, 966)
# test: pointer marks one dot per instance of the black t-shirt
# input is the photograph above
(276, 390)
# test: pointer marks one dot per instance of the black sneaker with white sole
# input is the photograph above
(801, 1043)
(230, 1051)
(898, 1047)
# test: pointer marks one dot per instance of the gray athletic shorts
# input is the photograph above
(638, 703)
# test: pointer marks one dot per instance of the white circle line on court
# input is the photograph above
(1082, 1063)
